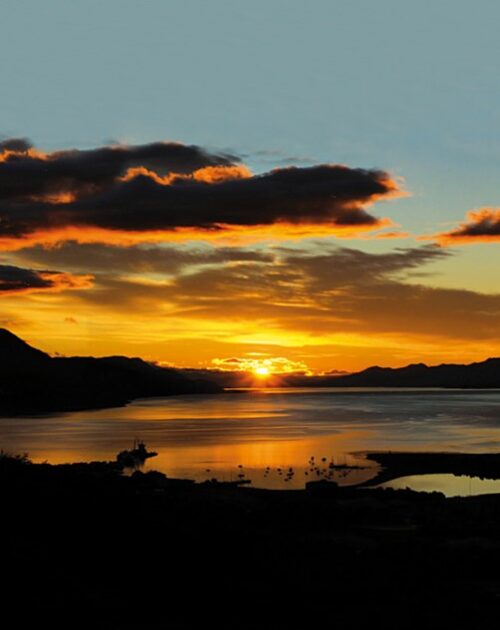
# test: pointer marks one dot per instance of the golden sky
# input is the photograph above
(184, 256)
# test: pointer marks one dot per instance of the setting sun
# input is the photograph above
(262, 371)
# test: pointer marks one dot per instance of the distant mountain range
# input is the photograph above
(485, 374)
(33, 382)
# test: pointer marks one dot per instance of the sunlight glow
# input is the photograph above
(261, 367)
(262, 371)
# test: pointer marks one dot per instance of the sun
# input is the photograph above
(261, 371)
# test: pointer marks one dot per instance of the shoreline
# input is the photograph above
(392, 465)
(389, 466)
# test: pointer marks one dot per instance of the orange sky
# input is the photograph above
(290, 270)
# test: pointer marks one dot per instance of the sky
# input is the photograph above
(223, 184)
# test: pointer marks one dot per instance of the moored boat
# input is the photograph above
(135, 456)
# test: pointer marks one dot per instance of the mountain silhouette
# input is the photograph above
(484, 374)
(17, 354)
(33, 382)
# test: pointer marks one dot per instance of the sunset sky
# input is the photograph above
(262, 185)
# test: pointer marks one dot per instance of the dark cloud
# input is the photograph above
(26, 174)
(323, 194)
(481, 225)
(18, 280)
(166, 186)
(19, 145)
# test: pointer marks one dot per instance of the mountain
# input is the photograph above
(17, 354)
(33, 382)
(485, 374)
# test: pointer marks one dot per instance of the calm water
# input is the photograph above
(211, 436)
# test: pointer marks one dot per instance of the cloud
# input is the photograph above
(347, 267)
(308, 294)
(15, 145)
(325, 305)
(138, 259)
(482, 225)
(163, 189)
(26, 173)
(320, 194)
(274, 365)
(14, 280)
(341, 292)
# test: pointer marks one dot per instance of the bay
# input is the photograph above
(278, 438)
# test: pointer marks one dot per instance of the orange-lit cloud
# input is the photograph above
(315, 294)
(262, 366)
(187, 255)
(27, 173)
(173, 192)
(15, 280)
(220, 235)
(14, 149)
(301, 297)
(482, 226)
(391, 235)
(208, 174)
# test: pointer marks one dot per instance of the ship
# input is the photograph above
(135, 456)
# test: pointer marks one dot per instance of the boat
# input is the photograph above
(135, 456)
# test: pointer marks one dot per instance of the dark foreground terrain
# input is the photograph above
(84, 539)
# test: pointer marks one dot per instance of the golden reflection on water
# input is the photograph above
(449, 485)
(260, 460)
(202, 437)
(222, 461)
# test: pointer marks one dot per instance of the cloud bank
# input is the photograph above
(164, 188)
(299, 292)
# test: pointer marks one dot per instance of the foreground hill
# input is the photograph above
(33, 382)
(84, 539)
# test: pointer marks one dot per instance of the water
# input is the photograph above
(449, 485)
(201, 437)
